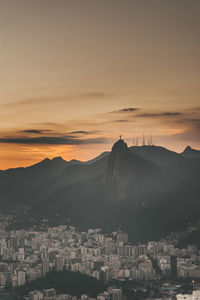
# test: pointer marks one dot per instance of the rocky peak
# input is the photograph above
(189, 152)
(188, 148)
(120, 146)
(116, 161)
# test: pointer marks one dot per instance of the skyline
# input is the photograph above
(76, 75)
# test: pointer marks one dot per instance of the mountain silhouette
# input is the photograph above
(157, 154)
(123, 165)
(148, 191)
(190, 153)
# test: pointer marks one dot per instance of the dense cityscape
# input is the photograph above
(156, 269)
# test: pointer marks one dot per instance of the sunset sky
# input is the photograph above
(76, 74)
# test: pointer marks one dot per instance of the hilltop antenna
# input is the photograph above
(137, 141)
(151, 140)
(133, 142)
(143, 140)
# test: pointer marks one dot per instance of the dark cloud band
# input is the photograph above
(51, 140)
(36, 131)
(157, 115)
(125, 110)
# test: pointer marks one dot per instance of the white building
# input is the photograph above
(21, 278)
(194, 296)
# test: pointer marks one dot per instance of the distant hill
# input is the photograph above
(157, 154)
(190, 153)
(33, 184)
(67, 282)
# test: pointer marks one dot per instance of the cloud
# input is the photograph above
(36, 101)
(190, 135)
(83, 132)
(125, 110)
(36, 131)
(192, 121)
(56, 99)
(52, 140)
(120, 121)
(172, 114)
(161, 114)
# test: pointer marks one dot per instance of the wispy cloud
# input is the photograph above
(84, 132)
(52, 140)
(36, 101)
(71, 97)
(120, 121)
(159, 114)
(125, 110)
(36, 131)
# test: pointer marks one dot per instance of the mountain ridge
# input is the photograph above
(148, 191)
(139, 150)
